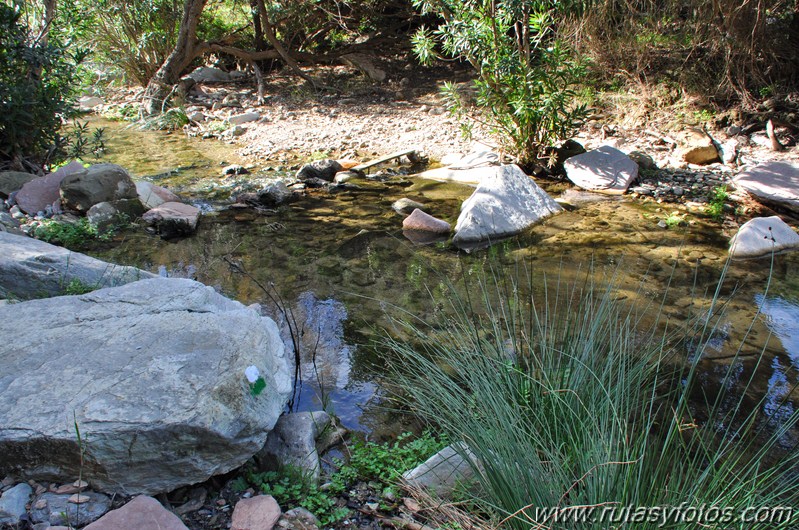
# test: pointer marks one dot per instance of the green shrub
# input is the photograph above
(575, 401)
(718, 198)
(36, 84)
(367, 462)
(527, 78)
(70, 235)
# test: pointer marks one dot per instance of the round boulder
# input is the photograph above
(100, 183)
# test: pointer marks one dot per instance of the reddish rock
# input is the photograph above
(40, 192)
(418, 220)
(142, 513)
(257, 513)
(173, 219)
(152, 196)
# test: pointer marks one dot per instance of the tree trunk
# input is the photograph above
(186, 49)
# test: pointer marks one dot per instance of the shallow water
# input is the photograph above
(335, 266)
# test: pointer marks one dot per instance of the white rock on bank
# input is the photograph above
(603, 170)
(506, 202)
(772, 183)
(762, 236)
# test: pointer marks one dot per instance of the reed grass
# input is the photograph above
(572, 400)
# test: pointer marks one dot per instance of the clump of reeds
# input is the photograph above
(571, 399)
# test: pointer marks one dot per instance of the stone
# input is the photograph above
(196, 116)
(321, 169)
(207, 74)
(729, 151)
(11, 181)
(443, 472)
(774, 183)
(154, 378)
(299, 519)
(235, 169)
(274, 194)
(30, 268)
(141, 513)
(506, 202)
(256, 513)
(13, 504)
(40, 192)
(405, 206)
(105, 215)
(643, 160)
(469, 169)
(245, 117)
(173, 219)
(698, 148)
(761, 236)
(152, 196)
(293, 442)
(56, 509)
(418, 220)
(99, 183)
(87, 103)
(603, 170)
(365, 64)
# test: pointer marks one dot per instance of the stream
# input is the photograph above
(336, 267)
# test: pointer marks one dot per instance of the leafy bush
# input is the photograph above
(36, 83)
(526, 86)
(579, 402)
(70, 235)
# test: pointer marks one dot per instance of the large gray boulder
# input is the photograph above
(39, 193)
(506, 202)
(30, 268)
(763, 236)
(156, 377)
(603, 170)
(772, 183)
(100, 183)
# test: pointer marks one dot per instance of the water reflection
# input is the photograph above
(316, 327)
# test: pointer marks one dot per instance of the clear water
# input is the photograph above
(337, 265)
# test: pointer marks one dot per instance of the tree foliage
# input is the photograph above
(37, 76)
(526, 76)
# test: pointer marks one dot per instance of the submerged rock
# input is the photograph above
(506, 202)
(772, 183)
(321, 169)
(155, 375)
(173, 219)
(603, 170)
(405, 206)
(422, 222)
(30, 268)
(152, 196)
(763, 236)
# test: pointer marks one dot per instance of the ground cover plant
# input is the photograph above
(578, 408)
